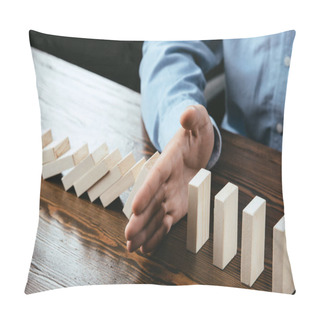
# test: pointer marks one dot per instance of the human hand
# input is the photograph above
(163, 198)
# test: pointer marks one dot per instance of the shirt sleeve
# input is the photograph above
(173, 78)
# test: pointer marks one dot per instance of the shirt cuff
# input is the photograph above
(216, 152)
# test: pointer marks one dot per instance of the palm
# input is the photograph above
(162, 200)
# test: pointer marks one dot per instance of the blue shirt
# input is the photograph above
(256, 71)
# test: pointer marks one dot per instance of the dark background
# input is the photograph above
(116, 60)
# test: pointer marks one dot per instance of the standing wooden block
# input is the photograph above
(96, 173)
(118, 171)
(67, 161)
(198, 223)
(55, 150)
(225, 232)
(46, 138)
(253, 240)
(127, 209)
(122, 185)
(84, 166)
(282, 280)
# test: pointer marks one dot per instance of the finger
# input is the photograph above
(147, 232)
(138, 222)
(155, 240)
(176, 208)
(154, 181)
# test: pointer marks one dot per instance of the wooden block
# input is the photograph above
(282, 280)
(127, 210)
(253, 240)
(96, 173)
(80, 154)
(225, 226)
(118, 171)
(84, 166)
(65, 162)
(122, 185)
(54, 150)
(55, 167)
(198, 221)
(46, 138)
(100, 153)
(77, 172)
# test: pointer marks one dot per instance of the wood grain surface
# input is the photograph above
(82, 243)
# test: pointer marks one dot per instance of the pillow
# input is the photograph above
(100, 136)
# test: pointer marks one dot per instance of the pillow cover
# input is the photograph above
(96, 151)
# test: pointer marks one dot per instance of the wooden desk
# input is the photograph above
(81, 243)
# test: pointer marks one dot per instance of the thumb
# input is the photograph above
(193, 118)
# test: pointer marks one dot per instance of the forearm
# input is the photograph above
(172, 78)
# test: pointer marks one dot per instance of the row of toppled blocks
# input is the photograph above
(106, 175)
(225, 232)
(101, 174)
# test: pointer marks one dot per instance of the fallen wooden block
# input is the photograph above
(65, 162)
(198, 219)
(122, 184)
(100, 153)
(282, 280)
(46, 138)
(127, 209)
(118, 171)
(55, 150)
(84, 166)
(225, 231)
(253, 240)
(96, 173)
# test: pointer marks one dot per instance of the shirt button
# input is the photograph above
(279, 128)
(287, 61)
